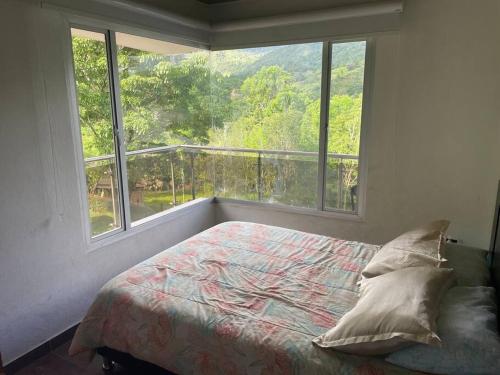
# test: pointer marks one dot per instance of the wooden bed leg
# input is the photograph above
(107, 364)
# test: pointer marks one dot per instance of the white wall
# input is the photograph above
(434, 139)
(448, 128)
(48, 277)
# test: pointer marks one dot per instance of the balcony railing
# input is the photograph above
(163, 177)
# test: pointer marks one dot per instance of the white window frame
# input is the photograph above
(127, 227)
(117, 139)
(365, 119)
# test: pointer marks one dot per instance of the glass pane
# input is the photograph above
(162, 180)
(96, 126)
(165, 97)
(266, 104)
(344, 129)
(102, 184)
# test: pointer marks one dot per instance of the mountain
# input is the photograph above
(301, 58)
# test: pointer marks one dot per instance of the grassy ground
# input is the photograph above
(101, 208)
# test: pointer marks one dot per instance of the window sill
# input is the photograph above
(148, 223)
(341, 215)
(186, 208)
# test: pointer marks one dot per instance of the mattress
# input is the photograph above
(238, 298)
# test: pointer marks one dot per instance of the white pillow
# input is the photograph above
(416, 248)
(393, 311)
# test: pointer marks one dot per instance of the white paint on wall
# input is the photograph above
(434, 137)
(448, 127)
(48, 276)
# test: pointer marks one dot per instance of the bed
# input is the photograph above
(238, 298)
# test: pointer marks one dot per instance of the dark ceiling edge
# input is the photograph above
(215, 2)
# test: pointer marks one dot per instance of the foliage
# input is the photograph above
(344, 125)
(165, 101)
(91, 75)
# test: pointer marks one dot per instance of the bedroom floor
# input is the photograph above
(58, 362)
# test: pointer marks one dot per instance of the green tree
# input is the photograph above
(343, 129)
(91, 74)
(268, 109)
(166, 101)
(270, 90)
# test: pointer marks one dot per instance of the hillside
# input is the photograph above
(302, 60)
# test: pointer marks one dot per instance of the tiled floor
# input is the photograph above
(57, 362)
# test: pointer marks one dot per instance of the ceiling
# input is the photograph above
(215, 1)
(249, 9)
(226, 24)
(329, 3)
(214, 11)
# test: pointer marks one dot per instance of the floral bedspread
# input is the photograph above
(238, 298)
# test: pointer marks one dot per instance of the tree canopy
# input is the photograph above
(255, 98)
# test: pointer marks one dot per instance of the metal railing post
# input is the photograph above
(341, 183)
(259, 175)
(113, 203)
(172, 177)
(193, 192)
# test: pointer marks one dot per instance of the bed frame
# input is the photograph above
(111, 356)
(136, 366)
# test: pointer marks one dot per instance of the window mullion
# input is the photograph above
(323, 123)
(118, 130)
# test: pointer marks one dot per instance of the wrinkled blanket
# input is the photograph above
(238, 298)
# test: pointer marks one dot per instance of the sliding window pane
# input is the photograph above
(96, 126)
(165, 97)
(344, 128)
(266, 123)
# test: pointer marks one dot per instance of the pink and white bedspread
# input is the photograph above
(239, 298)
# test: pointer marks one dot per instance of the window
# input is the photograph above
(91, 63)
(165, 102)
(269, 133)
(163, 123)
(344, 125)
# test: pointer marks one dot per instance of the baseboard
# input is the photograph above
(40, 351)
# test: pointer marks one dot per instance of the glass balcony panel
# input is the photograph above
(103, 196)
(342, 180)
(235, 175)
(289, 179)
